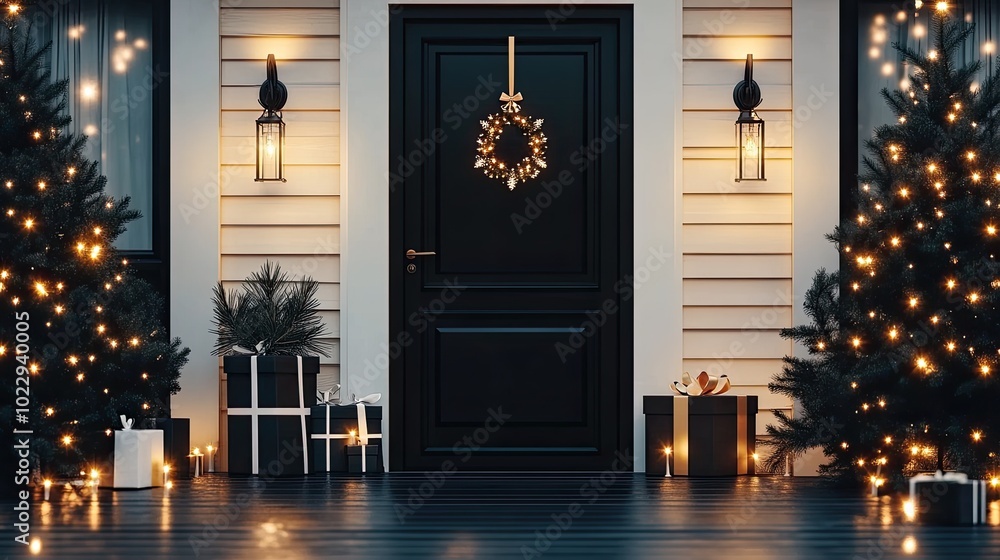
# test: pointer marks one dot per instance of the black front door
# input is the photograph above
(512, 343)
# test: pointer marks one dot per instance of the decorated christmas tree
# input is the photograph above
(903, 372)
(80, 341)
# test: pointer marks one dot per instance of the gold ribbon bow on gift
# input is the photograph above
(704, 385)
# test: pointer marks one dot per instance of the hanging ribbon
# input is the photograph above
(510, 99)
(254, 412)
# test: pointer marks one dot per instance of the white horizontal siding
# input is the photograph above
(737, 237)
(296, 223)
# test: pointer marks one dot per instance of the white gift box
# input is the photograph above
(138, 458)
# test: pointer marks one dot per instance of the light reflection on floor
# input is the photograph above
(749, 518)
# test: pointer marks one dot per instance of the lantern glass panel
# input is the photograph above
(750, 139)
(270, 148)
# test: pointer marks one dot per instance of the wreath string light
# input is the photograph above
(493, 126)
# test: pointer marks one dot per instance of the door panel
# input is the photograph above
(520, 314)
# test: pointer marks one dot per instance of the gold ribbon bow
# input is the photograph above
(704, 385)
(510, 102)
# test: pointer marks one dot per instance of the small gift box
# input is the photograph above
(335, 426)
(138, 457)
(364, 459)
(268, 413)
(948, 499)
(703, 435)
(176, 443)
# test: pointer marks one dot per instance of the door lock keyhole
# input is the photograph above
(411, 268)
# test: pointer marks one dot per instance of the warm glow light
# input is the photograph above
(40, 288)
(134, 341)
(977, 435)
(893, 333)
(989, 47)
(951, 346)
(101, 329)
(169, 484)
(887, 69)
(984, 369)
(67, 440)
(991, 229)
(856, 342)
(79, 377)
(942, 6)
(976, 177)
(922, 363)
(29, 223)
(854, 384)
(856, 286)
(843, 445)
(36, 546)
(932, 168)
(913, 302)
(73, 360)
(951, 117)
(909, 509)
(904, 192)
(881, 403)
(995, 482)
(13, 8)
(932, 55)
(973, 297)
(145, 376)
(666, 450)
(89, 91)
(888, 440)
(894, 241)
(166, 469)
(50, 411)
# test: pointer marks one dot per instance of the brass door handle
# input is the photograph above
(411, 254)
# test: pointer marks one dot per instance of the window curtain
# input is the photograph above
(880, 65)
(104, 49)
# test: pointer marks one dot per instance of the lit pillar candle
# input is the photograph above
(95, 478)
(666, 455)
(166, 475)
(48, 487)
(352, 441)
(195, 458)
(211, 459)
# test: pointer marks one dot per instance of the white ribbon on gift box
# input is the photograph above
(126, 422)
(978, 491)
(363, 435)
(254, 412)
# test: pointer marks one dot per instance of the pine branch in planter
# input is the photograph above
(273, 309)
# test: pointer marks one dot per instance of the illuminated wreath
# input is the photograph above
(530, 166)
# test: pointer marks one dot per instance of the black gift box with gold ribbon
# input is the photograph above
(706, 435)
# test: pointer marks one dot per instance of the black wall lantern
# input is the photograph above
(270, 127)
(749, 128)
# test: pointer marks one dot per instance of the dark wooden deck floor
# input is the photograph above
(494, 516)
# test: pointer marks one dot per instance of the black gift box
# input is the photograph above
(280, 445)
(715, 445)
(176, 444)
(949, 502)
(373, 459)
(343, 420)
